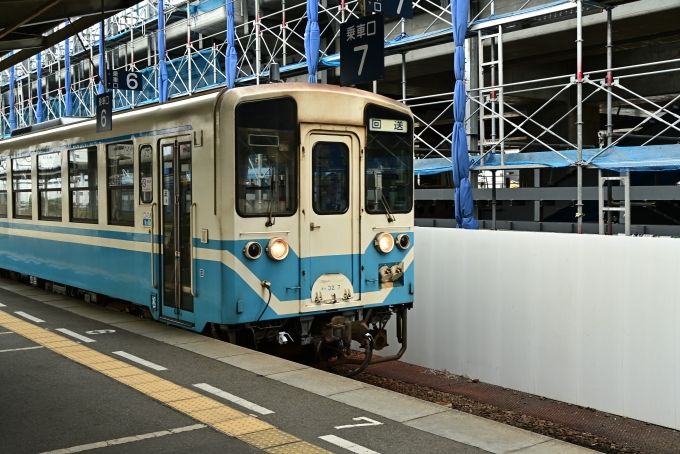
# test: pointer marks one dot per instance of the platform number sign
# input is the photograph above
(123, 80)
(400, 8)
(104, 112)
(362, 50)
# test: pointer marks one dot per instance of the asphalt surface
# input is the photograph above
(49, 402)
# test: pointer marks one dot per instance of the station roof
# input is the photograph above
(23, 23)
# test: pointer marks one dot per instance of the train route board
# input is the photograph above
(362, 50)
(104, 112)
(401, 8)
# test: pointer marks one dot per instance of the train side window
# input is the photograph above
(22, 187)
(120, 174)
(145, 174)
(82, 164)
(49, 186)
(3, 188)
(266, 158)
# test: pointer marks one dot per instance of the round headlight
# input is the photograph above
(252, 250)
(384, 242)
(277, 249)
(403, 241)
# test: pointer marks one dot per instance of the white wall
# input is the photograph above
(584, 319)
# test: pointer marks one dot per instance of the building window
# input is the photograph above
(120, 174)
(145, 174)
(49, 186)
(3, 188)
(21, 179)
(82, 164)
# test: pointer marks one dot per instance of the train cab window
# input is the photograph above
(145, 174)
(330, 168)
(49, 186)
(22, 187)
(82, 164)
(389, 161)
(121, 188)
(3, 188)
(266, 158)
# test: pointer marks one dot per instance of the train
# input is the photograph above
(278, 216)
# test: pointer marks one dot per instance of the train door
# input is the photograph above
(330, 230)
(176, 239)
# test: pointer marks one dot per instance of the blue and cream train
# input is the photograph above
(274, 216)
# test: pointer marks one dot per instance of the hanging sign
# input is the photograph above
(400, 8)
(104, 112)
(362, 50)
(123, 80)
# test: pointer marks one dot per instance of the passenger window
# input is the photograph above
(82, 165)
(49, 186)
(145, 174)
(3, 188)
(21, 181)
(266, 158)
(330, 168)
(121, 189)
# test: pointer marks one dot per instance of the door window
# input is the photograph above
(330, 168)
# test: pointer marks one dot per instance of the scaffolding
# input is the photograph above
(272, 31)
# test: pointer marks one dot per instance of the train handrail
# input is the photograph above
(192, 210)
(153, 258)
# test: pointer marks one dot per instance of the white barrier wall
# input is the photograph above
(584, 319)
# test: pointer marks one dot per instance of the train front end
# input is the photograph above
(322, 222)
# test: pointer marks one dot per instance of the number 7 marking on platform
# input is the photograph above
(363, 47)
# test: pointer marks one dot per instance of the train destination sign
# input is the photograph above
(362, 50)
(123, 80)
(401, 8)
(104, 112)
(383, 125)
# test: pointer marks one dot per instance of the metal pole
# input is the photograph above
(579, 110)
(257, 41)
(626, 181)
(501, 98)
(283, 30)
(189, 46)
(493, 200)
(610, 120)
(403, 78)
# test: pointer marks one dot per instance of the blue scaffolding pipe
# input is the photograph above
(162, 69)
(68, 105)
(39, 106)
(102, 67)
(12, 117)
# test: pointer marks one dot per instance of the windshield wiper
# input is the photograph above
(378, 187)
(272, 220)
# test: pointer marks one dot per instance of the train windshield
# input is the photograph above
(266, 158)
(389, 161)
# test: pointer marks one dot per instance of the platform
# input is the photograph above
(76, 377)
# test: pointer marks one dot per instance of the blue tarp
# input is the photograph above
(231, 58)
(650, 158)
(312, 39)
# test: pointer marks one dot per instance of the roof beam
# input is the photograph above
(30, 16)
(76, 26)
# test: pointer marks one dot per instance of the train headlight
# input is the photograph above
(252, 250)
(384, 242)
(403, 241)
(277, 249)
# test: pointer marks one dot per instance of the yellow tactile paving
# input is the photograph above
(155, 386)
(242, 426)
(250, 430)
(175, 394)
(215, 415)
(297, 448)
(268, 438)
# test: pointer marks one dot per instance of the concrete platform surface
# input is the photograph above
(76, 376)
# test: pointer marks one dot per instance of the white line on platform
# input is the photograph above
(18, 349)
(2, 305)
(30, 317)
(76, 335)
(8, 332)
(348, 445)
(120, 441)
(232, 398)
(141, 361)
